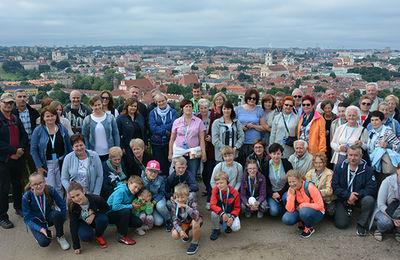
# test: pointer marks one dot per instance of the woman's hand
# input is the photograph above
(203, 157)
(41, 170)
(170, 157)
(90, 219)
(358, 142)
(276, 196)
(382, 144)
(343, 148)
(292, 191)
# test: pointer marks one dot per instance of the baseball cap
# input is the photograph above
(7, 97)
(153, 165)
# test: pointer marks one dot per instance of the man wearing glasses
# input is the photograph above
(297, 95)
(13, 141)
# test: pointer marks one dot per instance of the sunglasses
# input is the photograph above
(253, 98)
(306, 105)
(365, 104)
(8, 103)
(105, 98)
(295, 96)
(288, 105)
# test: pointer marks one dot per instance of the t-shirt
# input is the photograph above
(250, 116)
(82, 172)
(85, 211)
(277, 177)
(101, 144)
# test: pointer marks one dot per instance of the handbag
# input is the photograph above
(289, 140)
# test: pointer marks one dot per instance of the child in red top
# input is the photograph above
(224, 205)
(304, 204)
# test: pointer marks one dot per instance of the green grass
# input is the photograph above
(8, 76)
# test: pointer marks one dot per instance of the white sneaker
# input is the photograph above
(140, 232)
(63, 243)
(208, 206)
(260, 214)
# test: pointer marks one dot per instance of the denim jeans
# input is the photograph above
(160, 152)
(275, 208)
(124, 218)
(384, 223)
(308, 215)
(193, 165)
(161, 213)
(85, 231)
(54, 218)
(342, 219)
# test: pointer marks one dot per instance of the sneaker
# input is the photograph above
(140, 232)
(247, 214)
(260, 214)
(6, 224)
(168, 226)
(102, 242)
(192, 249)
(208, 205)
(215, 233)
(185, 240)
(307, 232)
(63, 243)
(19, 212)
(228, 230)
(361, 230)
(126, 240)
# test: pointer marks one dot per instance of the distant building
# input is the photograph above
(188, 79)
(57, 56)
(29, 89)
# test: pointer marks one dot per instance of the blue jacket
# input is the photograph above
(129, 129)
(159, 130)
(95, 172)
(364, 183)
(187, 177)
(392, 123)
(121, 198)
(39, 141)
(110, 126)
(33, 217)
(156, 187)
(5, 147)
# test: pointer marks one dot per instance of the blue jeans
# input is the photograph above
(161, 213)
(54, 218)
(308, 215)
(275, 208)
(193, 165)
(384, 223)
(85, 231)
(160, 152)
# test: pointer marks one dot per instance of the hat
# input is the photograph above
(7, 97)
(153, 165)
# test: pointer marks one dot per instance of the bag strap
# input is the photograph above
(284, 121)
(306, 190)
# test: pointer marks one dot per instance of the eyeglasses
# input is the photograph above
(8, 103)
(288, 105)
(105, 98)
(295, 96)
(306, 105)
(252, 169)
(253, 98)
(365, 104)
(35, 185)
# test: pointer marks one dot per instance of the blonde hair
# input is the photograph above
(323, 158)
(181, 189)
(137, 143)
(391, 96)
(136, 179)
(221, 176)
(115, 151)
(295, 174)
(180, 160)
(219, 94)
(227, 150)
(145, 193)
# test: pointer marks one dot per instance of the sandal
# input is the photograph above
(397, 237)
(378, 235)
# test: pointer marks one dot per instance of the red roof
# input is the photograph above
(142, 84)
(188, 79)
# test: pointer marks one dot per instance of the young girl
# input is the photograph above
(304, 204)
(38, 205)
(86, 211)
(253, 193)
(145, 212)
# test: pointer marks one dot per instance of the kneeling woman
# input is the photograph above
(38, 205)
(304, 204)
(86, 211)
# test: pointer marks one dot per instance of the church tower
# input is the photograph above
(268, 58)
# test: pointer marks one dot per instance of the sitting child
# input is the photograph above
(181, 175)
(145, 212)
(253, 193)
(156, 185)
(224, 205)
(86, 211)
(120, 202)
(185, 216)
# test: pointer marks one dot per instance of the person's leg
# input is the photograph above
(42, 240)
(367, 207)
(275, 208)
(161, 208)
(310, 216)
(342, 218)
(330, 209)
(196, 230)
(101, 223)
(158, 152)
(121, 219)
(175, 235)
(142, 216)
(215, 220)
(206, 174)
(134, 221)
(244, 208)
(16, 169)
(284, 199)
(158, 219)
(263, 206)
(5, 181)
(193, 165)
(85, 232)
(290, 218)
(54, 177)
(383, 222)
(56, 218)
(150, 221)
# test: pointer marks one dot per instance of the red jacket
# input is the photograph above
(232, 205)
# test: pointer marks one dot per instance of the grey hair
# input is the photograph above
(160, 95)
(384, 103)
(372, 84)
(204, 102)
(300, 141)
(298, 90)
(356, 147)
(352, 107)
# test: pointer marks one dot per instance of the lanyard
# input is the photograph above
(177, 213)
(258, 163)
(350, 181)
(315, 179)
(186, 127)
(254, 190)
(346, 139)
(52, 140)
(222, 200)
(275, 171)
(42, 209)
(288, 118)
(75, 118)
(372, 106)
(296, 167)
(230, 171)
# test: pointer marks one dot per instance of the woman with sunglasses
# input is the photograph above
(108, 103)
(365, 107)
(284, 126)
(311, 127)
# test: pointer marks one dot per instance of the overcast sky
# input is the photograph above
(249, 23)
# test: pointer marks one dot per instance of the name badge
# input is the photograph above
(185, 145)
(54, 156)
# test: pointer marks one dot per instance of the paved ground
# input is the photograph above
(264, 238)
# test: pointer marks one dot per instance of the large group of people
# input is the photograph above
(138, 166)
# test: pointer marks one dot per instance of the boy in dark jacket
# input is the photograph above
(181, 175)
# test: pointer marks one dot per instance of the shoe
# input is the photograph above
(361, 230)
(192, 249)
(378, 235)
(260, 214)
(126, 240)
(208, 205)
(307, 232)
(6, 224)
(168, 226)
(140, 232)
(102, 242)
(397, 237)
(145, 228)
(247, 214)
(215, 233)
(19, 212)
(63, 243)
(228, 230)
(300, 225)
(185, 240)
(204, 193)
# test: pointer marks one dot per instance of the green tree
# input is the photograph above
(233, 98)
(193, 67)
(137, 68)
(353, 98)
(60, 96)
(62, 65)
(332, 75)
(319, 89)
(244, 77)
(13, 67)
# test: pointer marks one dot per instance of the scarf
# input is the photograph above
(307, 121)
(163, 113)
(119, 172)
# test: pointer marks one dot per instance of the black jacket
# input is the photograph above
(286, 166)
(263, 164)
(5, 147)
(33, 115)
(96, 203)
(132, 168)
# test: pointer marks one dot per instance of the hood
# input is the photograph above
(361, 166)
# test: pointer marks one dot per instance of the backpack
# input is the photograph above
(306, 190)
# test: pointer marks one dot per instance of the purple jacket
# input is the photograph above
(260, 192)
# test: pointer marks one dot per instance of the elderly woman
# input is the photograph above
(388, 121)
(161, 119)
(338, 121)
(365, 107)
(383, 147)
(283, 128)
(387, 213)
(108, 103)
(100, 129)
(351, 133)
(82, 166)
(268, 104)
(187, 138)
(49, 144)
(250, 116)
(311, 127)
(260, 155)
(65, 122)
(393, 102)
(139, 160)
(321, 176)
(113, 172)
